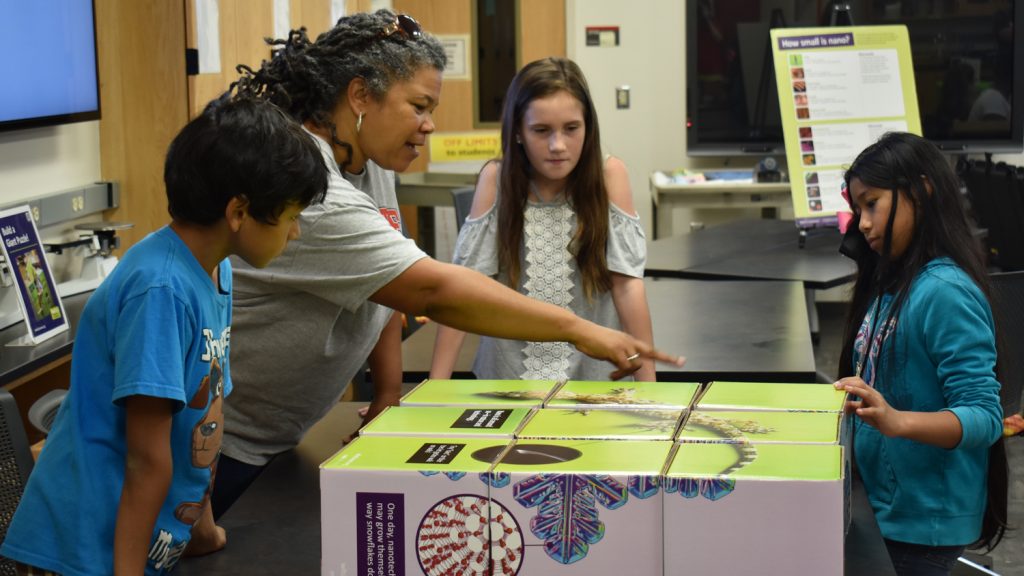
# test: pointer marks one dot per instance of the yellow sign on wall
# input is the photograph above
(465, 146)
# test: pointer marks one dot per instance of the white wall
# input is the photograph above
(651, 60)
(650, 135)
(37, 161)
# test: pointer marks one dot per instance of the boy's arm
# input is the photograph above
(207, 537)
(147, 477)
(386, 367)
(630, 298)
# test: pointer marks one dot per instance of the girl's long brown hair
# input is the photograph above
(585, 190)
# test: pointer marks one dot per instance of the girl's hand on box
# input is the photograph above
(870, 406)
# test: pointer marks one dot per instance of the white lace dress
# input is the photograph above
(549, 274)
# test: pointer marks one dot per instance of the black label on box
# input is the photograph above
(436, 453)
(483, 418)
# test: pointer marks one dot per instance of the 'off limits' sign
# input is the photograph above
(465, 146)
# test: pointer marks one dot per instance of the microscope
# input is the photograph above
(101, 242)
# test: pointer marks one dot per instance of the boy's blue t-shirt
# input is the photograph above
(157, 326)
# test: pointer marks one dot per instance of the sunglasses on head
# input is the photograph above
(404, 25)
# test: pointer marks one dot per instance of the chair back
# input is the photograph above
(1008, 309)
(15, 466)
(462, 198)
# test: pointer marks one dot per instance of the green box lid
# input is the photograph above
(772, 396)
(616, 395)
(613, 424)
(586, 457)
(410, 453)
(757, 461)
(461, 421)
(761, 426)
(480, 393)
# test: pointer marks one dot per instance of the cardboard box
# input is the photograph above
(480, 393)
(761, 427)
(406, 505)
(581, 423)
(452, 421)
(630, 395)
(755, 509)
(585, 507)
(771, 396)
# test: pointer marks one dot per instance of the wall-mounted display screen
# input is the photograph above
(49, 67)
(968, 61)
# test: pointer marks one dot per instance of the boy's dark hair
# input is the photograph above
(241, 146)
(308, 79)
(902, 162)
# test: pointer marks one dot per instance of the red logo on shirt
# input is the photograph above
(393, 217)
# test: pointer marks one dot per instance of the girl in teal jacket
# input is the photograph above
(919, 360)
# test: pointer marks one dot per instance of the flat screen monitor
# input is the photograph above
(968, 68)
(49, 66)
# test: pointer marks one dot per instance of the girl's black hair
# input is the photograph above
(906, 165)
(242, 147)
(308, 79)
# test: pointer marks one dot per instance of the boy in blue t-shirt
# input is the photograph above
(123, 482)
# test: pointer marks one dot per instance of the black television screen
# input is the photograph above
(968, 70)
(49, 67)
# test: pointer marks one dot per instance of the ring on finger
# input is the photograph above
(632, 357)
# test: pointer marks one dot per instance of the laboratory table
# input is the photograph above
(728, 330)
(757, 249)
(17, 362)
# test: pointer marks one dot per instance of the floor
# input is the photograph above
(1008, 558)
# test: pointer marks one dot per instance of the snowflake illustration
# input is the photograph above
(567, 510)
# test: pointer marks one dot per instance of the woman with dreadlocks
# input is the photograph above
(303, 326)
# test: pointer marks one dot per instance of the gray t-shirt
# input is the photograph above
(548, 273)
(303, 326)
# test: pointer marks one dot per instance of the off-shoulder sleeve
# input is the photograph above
(477, 245)
(627, 245)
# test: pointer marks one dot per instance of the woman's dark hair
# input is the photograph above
(242, 147)
(307, 79)
(585, 190)
(906, 165)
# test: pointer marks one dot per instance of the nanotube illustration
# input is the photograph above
(469, 535)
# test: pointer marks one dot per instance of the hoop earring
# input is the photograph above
(359, 122)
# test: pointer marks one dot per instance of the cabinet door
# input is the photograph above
(240, 32)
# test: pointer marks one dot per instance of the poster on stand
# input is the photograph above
(840, 89)
(37, 291)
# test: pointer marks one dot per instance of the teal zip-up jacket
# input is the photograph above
(940, 355)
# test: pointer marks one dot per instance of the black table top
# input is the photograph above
(755, 250)
(274, 528)
(729, 330)
(16, 361)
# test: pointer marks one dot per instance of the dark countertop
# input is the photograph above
(728, 330)
(754, 250)
(17, 361)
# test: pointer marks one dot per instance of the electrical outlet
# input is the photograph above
(77, 203)
(622, 97)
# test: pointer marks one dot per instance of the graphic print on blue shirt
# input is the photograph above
(206, 441)
(869, 328)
